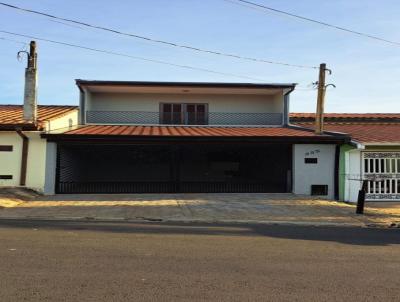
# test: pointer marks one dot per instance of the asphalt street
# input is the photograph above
(94, 261)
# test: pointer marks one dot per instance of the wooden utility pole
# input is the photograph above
(319, 118)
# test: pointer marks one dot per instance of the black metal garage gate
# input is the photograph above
(191, 168)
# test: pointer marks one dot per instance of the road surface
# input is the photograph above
(93, 261)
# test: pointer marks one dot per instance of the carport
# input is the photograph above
(177, 168)
(176, 159)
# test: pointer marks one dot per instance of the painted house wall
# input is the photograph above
(10, 162)
(51, 167)
(322, 173)
(344, 149)
(68, 120)
(353, 175)
(217, 103)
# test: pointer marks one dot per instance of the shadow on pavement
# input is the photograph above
(345, 235)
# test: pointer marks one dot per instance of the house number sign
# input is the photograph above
(313, 152)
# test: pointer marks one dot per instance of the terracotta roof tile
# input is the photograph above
(349, 117)
(12, 115)
(367, 133)
(188, 131)
(367, 128)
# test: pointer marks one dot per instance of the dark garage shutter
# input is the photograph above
(187, 168)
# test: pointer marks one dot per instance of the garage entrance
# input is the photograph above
(186, 168)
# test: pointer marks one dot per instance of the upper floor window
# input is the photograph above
(183, 114)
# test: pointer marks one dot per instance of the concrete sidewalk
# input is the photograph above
(252, 208)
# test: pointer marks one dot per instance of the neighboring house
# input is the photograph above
(167, 137)
(22, 150)
(373, 155)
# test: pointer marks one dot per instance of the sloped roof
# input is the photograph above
(113, 131)
(11, 116)
(369, 133)
(366, 128)
(347, 117)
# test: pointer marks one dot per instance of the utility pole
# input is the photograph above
(319, 118)
(30, 93)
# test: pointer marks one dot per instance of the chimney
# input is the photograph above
(30, 93)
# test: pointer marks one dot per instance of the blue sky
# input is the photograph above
(366, 72)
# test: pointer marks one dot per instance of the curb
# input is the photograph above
(199, 221)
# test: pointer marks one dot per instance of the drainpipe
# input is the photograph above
(337, 172)
(286, 107)
(82, 107)
(24, 158)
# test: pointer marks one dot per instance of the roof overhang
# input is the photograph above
(377, 144)
(183, 87)
(22, 127)
(107, 139)
(138, 134)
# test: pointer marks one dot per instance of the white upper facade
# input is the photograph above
(155, 103)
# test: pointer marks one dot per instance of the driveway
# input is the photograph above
(260, 208)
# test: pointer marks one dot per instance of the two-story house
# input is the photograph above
(167, 137)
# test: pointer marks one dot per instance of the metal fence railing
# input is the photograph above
(214, 118)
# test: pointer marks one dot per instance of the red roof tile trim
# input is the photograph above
(347, 117)
(190, 131)
(12, 115)
(367, 128)
(351, 115)
(367, 133)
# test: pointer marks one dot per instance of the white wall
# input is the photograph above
(70, 119)
(322, 173)
(353, 174)
(217, 102)
(10, 162)
(51, 166)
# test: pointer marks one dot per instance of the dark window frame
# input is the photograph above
(184, 113)
(6, 148)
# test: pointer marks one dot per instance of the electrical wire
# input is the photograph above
(109, 52)
(12, 40)
(264, 8)
(118, 32)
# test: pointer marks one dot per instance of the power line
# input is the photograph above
(264, 8)
(115, 31)
(12, 40)
(130, 56)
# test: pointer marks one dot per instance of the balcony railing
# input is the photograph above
(153, 118)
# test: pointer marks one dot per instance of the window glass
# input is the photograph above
(167, 107)
(177, 114)
(201, 114)
(166, 114)
(189, 114)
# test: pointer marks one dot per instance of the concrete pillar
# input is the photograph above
(51, 165)
(30, 92)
